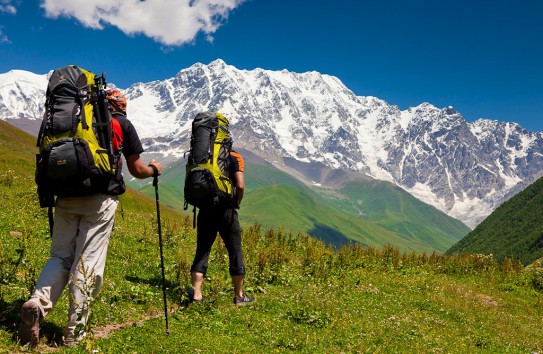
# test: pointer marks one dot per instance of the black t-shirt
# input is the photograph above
(131, 141)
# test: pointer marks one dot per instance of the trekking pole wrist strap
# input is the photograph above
(155, 170)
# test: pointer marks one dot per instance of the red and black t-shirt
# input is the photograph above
(130, 140)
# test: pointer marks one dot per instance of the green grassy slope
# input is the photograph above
(513, 230)
(390, 206)
(17, 150)
(170, 186)
(367, 211)
(291, 209)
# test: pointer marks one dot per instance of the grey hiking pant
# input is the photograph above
(77, 256)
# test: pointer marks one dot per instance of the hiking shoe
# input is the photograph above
(243, 300)
(72, 341)
(73, 335)
(29, 329)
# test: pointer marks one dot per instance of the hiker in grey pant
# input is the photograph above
(78, 255)
(82, 227)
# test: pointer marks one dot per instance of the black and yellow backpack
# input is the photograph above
(207, 181)
(76, 155)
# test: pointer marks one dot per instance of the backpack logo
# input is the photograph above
(207, 181)
(75, 156)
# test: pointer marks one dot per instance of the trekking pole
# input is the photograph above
(104, 117)
(155, 184)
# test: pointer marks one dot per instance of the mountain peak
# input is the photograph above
(217, 64)
(14, 76)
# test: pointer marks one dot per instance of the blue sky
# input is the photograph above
(483, 57)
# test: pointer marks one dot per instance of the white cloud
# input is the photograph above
(171, 22)
(3, 37)
(8, 6)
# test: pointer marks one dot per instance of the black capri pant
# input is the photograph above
(224, 221)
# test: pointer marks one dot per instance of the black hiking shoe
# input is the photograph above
(29, 328)
(243, 300)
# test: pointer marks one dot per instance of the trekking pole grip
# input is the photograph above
(155, 174)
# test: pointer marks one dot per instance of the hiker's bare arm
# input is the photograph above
(240, 185)
(140, 170)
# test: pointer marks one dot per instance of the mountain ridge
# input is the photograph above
(465, 169)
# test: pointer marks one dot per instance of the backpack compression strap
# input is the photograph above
(51, 220)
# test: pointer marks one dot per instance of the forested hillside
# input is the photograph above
(514, 230)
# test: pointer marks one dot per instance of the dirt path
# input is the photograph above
(100, 332)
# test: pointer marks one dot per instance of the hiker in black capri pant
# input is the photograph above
(224, 220)
(80, 238)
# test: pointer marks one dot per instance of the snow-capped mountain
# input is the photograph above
(465, 169)
(22, 95)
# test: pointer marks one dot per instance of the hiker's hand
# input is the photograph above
(158, 167)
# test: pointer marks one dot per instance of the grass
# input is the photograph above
(311, 298)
